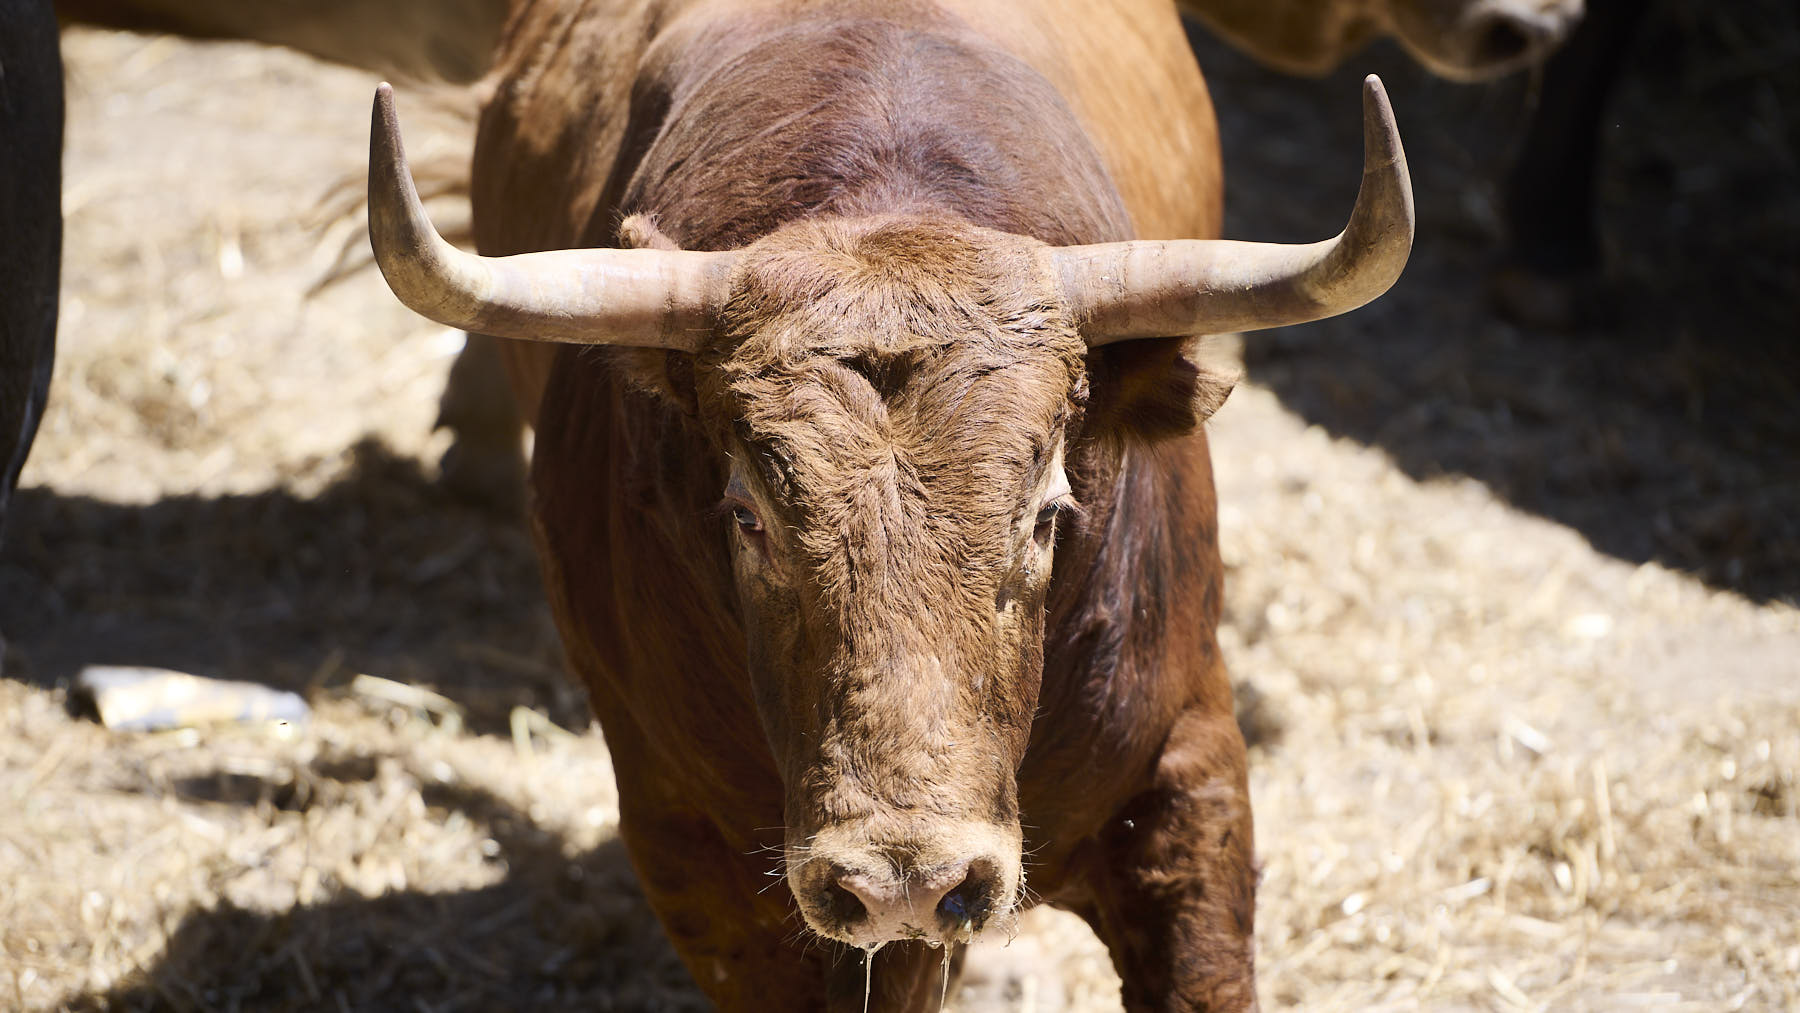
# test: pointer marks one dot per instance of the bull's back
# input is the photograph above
(567, 67)
(1125, 68)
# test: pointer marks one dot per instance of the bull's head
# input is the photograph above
(892, 394)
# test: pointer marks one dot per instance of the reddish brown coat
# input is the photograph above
(731, 123)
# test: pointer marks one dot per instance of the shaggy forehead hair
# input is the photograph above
(902, 381)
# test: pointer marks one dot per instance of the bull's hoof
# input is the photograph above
(1551, 302)
(488, 476)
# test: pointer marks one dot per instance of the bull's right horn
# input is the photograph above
(648, 298)
(1154, 289)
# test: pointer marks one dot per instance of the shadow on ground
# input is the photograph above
(380, 573)
(555, 933)
(1668, 433)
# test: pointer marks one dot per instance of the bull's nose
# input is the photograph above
(871, 905)
(1506, 37)
(1506, 33)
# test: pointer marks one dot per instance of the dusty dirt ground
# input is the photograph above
(1517, 610)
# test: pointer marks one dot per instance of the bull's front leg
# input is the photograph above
(741, 948)
(1173, 879)
(737, 930)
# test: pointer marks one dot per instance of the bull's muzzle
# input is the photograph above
(945, 891)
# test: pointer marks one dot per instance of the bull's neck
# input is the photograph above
(752, 121)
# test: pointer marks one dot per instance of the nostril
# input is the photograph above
(843, 905)
(968, 904)
(1505, 40)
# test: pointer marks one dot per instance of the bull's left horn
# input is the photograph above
(649, 298)
(1151, 289)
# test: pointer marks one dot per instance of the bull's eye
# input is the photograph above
(736, 505)
(1046, 524)
(746, 519)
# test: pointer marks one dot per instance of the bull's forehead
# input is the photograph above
(902, 373)
(890, 284)
(974, 430)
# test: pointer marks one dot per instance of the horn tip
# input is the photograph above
(384, 104)
(1375, 96)
(1381, 133)
(386, 132)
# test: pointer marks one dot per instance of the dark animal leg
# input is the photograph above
(31, 121)
(1173, 883)
(31, 118)
(1553, 256)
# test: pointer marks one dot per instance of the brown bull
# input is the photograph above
(449, 39)
(881, 523)
(1464, 40)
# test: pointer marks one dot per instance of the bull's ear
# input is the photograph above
(668, 374)
(665, 373)
(1154, 388)
(639, 232)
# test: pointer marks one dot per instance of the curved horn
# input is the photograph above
(649, 298)
(1149, 289)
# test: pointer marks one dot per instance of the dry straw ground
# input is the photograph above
(1516, 610)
